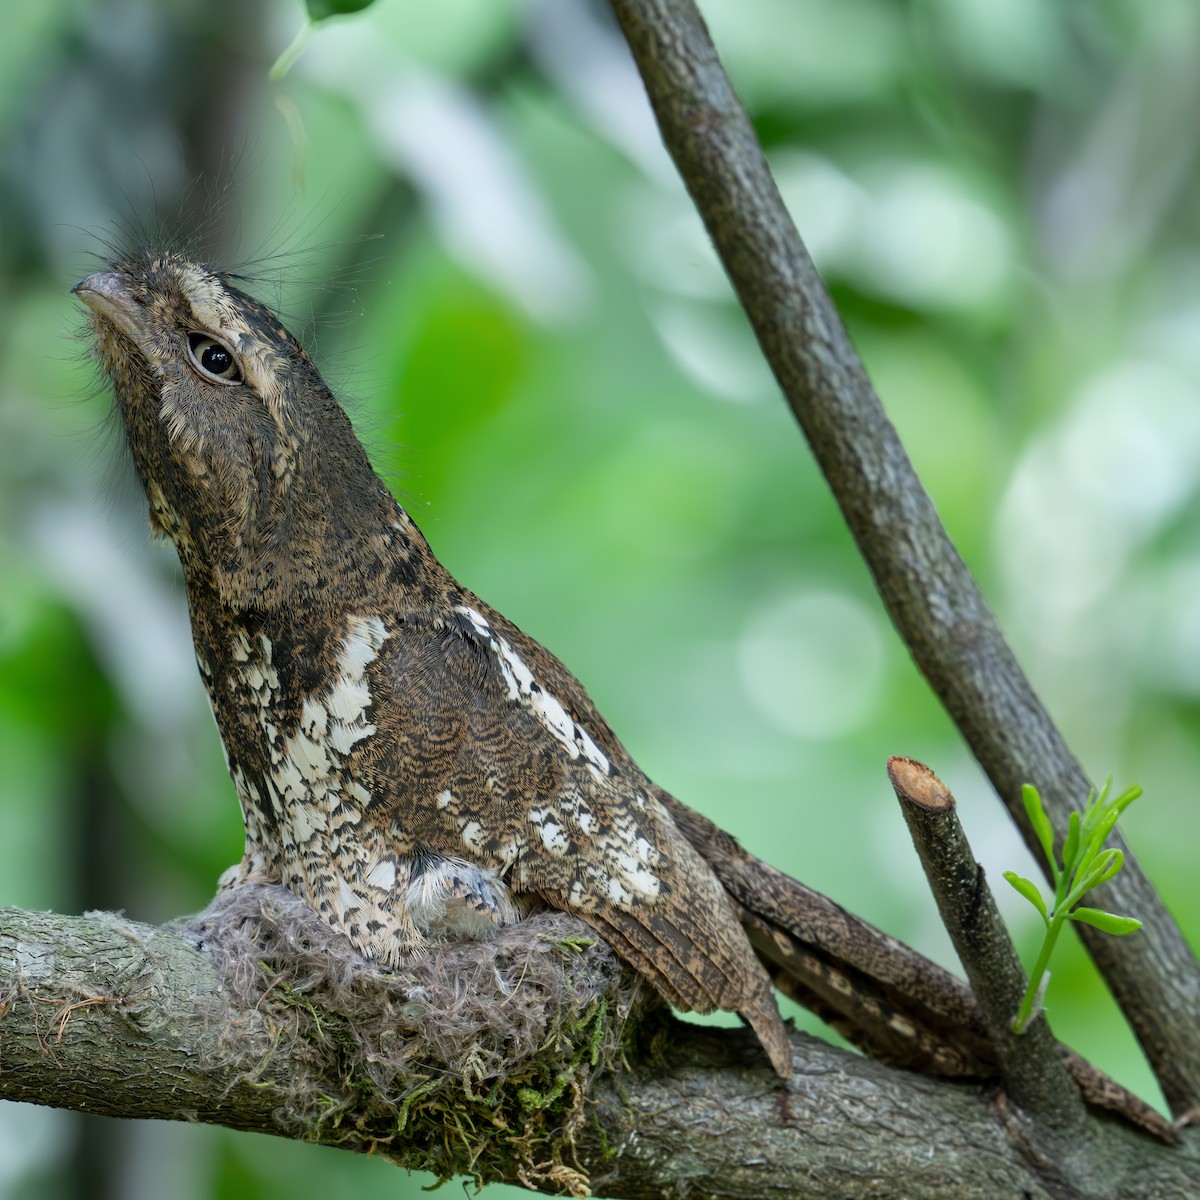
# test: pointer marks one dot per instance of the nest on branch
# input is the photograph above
(475, 1051)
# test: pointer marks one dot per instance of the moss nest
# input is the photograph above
(475, 1058)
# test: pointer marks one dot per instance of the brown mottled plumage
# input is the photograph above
(410, 763)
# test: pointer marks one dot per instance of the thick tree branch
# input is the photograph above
(105, 1015)
(933, 601)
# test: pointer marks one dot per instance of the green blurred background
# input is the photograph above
(493, 261)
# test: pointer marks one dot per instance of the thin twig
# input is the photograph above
(928, 591)
(1030, 1066)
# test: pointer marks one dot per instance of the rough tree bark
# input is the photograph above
(108, 1016)
(104, 1015)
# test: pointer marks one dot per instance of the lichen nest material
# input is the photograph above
(474, 1057)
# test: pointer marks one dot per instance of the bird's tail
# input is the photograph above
(882, 996)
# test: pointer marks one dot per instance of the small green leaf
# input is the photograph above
(1109, 922)
(1029, 890)
(1127, 797)
(320, 10)
(1038, 819)
(1071, 845)
(1103, 828)
(1097, 871)
(1113, 861)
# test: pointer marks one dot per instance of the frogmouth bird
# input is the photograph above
(408, 762)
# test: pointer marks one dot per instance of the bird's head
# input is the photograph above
(249, 464)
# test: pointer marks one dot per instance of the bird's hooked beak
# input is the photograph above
(107, 294)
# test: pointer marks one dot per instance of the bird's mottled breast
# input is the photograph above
(438, 736)
(293, 700)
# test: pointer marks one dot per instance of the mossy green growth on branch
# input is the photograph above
(1085, 864)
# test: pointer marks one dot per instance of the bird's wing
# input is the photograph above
(495, 753)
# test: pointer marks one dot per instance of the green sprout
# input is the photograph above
(1086, 864)
(316, 11)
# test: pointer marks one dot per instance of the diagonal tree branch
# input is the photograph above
(932, 599)
(105, 1015)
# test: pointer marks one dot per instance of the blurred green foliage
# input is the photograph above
(547, 365)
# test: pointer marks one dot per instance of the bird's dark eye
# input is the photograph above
(213, 359)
